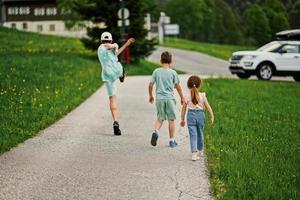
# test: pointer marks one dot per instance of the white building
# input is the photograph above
(37, 16)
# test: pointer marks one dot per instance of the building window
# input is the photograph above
(13, 11)
(39, 11)
(18, 11)
(51, 11)
(13, 25)
(39, 28)
(51, 27)
(24, 10)
(25, 26)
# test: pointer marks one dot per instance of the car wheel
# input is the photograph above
(265, 71)
(297, 77)
(243, 76)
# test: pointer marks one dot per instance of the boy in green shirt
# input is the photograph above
(165, 79)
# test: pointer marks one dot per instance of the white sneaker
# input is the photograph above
(195, 156)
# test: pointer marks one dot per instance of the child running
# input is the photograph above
(111, 71)
(165, 79)
(196, 105)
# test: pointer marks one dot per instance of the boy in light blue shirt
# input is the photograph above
(111, 71)
(165, 79)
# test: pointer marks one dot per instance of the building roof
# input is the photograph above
(23, 0)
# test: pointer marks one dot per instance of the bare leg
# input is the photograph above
(158, 124)
(113, 106)
(172, 128)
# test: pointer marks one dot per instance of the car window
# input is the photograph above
(290, 48)
(272, 46)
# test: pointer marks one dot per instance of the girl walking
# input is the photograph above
(196, 104)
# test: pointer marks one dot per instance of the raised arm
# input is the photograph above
(127, 44)
(112, 46)
(179, 90)
(211, 113)
(150, 90)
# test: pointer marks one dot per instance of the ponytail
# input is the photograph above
(194, 95)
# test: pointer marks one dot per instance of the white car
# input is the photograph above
(277, 58)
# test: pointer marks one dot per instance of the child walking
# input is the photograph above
(111, 71)
(196, 104)
(165, 79)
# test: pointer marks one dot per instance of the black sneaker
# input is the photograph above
(173, 144)
(116, 127)
(122, 78)
(154, 138)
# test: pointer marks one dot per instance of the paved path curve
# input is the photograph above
(79, 158)
(194, 62)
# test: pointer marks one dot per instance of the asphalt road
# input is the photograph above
(201, 64)
(79, 158)
(193, 62)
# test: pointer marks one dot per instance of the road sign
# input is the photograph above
(171, 29)
(126, 13)
(126, 22)
(167, 20)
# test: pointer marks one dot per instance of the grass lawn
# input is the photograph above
(42, 79)
(254, 148)
(217, 50)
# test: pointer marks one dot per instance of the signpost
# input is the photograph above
(163, 23)
(171, 29)
(123, 14)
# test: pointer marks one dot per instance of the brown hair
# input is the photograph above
(166, 57)
(193, 84)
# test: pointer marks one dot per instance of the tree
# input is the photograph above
(205, 20)
(189, 15)
(295, 15)
(105, 11)
(257, 25)
(226, 24)
(277, 16)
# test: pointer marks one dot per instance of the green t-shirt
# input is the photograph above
(111, 67)
(165, 80)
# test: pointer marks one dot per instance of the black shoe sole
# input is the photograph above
(117, 130)
(154, 139)
(122, 78)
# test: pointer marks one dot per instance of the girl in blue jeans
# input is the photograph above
(196, 104)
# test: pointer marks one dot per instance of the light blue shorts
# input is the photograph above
(166, 109)
(111, 88)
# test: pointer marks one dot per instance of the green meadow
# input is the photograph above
(42, 79)
(254, 148)
(217, 50)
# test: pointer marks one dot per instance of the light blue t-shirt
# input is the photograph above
(165, 80)
(111, 67)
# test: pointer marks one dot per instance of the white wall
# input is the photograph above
(60, 28)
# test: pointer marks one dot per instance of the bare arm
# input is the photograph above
(150, 90)
(179, 90)
(211, 113)
(183, 111)
(127, 44)
(111, 46)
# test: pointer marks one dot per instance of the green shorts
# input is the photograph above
(111, 88)
(166, 109)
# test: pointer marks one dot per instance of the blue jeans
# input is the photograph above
(195, 122)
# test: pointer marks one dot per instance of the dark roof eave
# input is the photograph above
(23, 0)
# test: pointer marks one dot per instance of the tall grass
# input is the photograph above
(42, 79)
(254, 149)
